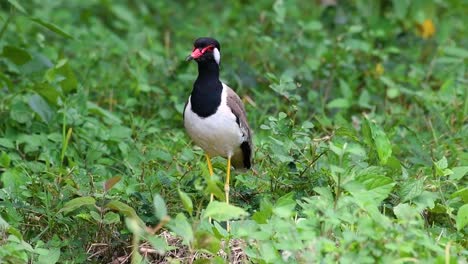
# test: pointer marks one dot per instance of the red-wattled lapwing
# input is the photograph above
(214, 115)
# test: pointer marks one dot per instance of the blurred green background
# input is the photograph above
(359, 111)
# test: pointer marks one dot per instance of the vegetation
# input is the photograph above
(359, 110)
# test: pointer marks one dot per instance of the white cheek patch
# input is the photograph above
(217, 55)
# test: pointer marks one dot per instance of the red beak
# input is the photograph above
(196, 53)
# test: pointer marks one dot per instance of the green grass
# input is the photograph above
(359, 112)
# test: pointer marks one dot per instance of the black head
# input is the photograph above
(205, 49)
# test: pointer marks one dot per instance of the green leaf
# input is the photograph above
(269, 252)
(4, 160)
(401, 8)
(51, 257)
(393, 93)
(186, 201)
(111, 182)
(370, 190)
(441, 167)
(223, 211)
(213, 188)
(373, 180)
(17, 55)
(462, 193)
(7, 143)
(456, 52)
(77, 203)
(462, 217)
(181, 227)
(405, 212)
(262, 215)
(14, 179)
(280, 11)
(442, 163)
(122, 208)
(40, 107)
(339, 103)
(381, 142)
(111, 218)
(20, 112)
(346, 91)
(285, 205)
(134, 226)
(17, 5)
(160, 207)
(50, 93)
(458, 172)
(3, 224)
(425, 200)
(119, 133)
(207, 241)
(13, 231)
(159, 244)
(96, 216)
(52, 28)
(62, 74)
(325, 193)
(97, 110)
(123, 13)
(345, 132)
(411, 189)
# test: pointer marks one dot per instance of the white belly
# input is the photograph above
(218, 134)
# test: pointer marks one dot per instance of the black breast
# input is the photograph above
(206, 96)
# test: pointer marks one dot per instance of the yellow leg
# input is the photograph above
(226, 188)
(210, 168)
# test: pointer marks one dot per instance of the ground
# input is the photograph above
(358, 110)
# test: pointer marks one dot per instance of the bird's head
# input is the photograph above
(205, 50)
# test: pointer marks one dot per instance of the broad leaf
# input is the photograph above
(51, 256)
(405, 212)
(7, 143)
(462, 217)
(20, 112)
(458, 172)
(122, 208)
(181, 227)
(186, 201)
(159, 244)
(62, 74)
(4, 160)
(160, 207)
(125, 210)
(411, 189)
(77, 203)
(339, 103)
(462, 193)
(285, 205)
(111, 218)
(381, 142)
(40, 107)
(13, 180)
(370, 187)
(17, 55)
(223, 211)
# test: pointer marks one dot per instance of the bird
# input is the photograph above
(214, 115)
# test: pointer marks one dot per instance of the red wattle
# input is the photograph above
(196, 54)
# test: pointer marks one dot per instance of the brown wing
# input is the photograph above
(244, 158)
